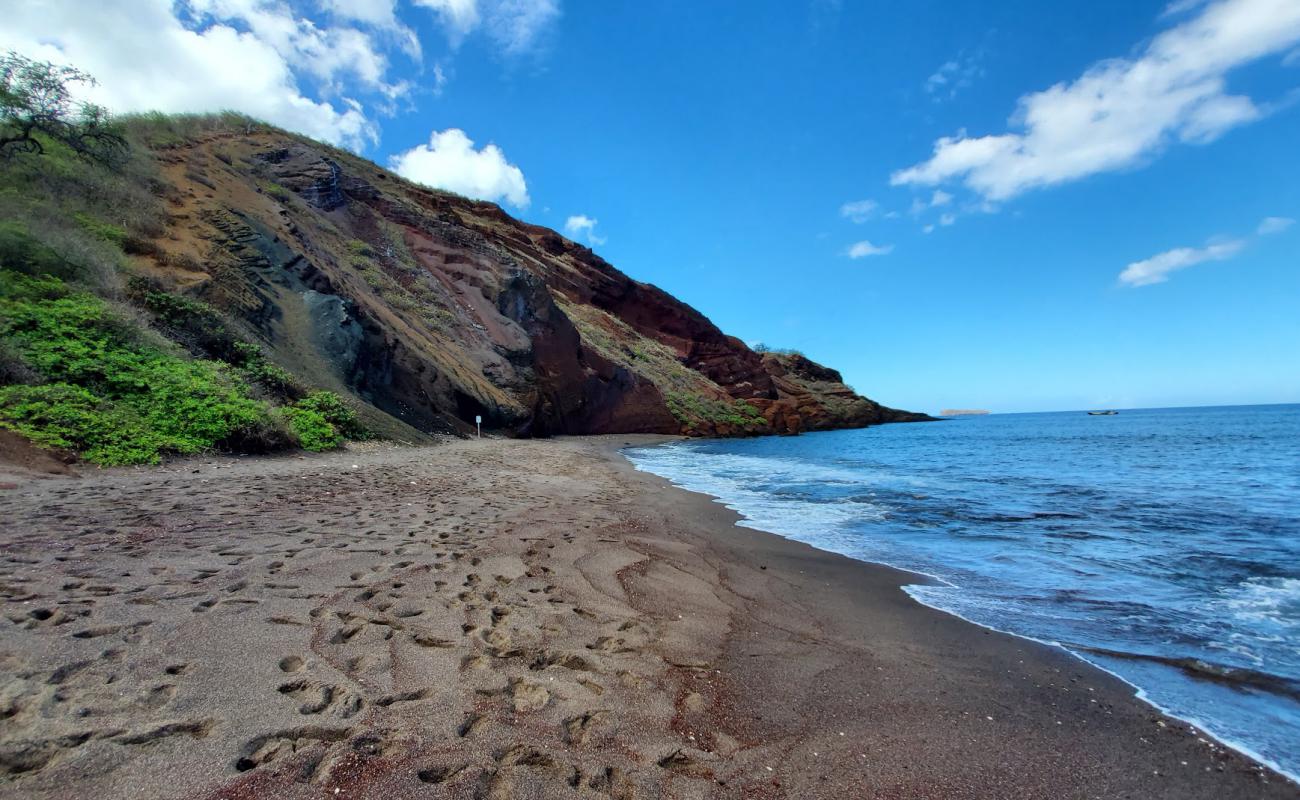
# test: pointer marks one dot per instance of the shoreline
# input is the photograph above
(924, 578)
(511, 618)
(921, 578)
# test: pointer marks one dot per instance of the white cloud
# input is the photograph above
(864, 248)
(581, 226)
(1181, 7)
(515, 26)
(1122, 110)
(947, 219)
(953, 76)
(449, 161)
(859, 211)
(329, 53)
(940, 198)
(1271, 225)
(1156, 269)
(459, 16)
(146, 59)
(378, 14)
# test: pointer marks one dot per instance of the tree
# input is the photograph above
(37, 107)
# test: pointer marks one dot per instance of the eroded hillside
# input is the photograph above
(434, 309)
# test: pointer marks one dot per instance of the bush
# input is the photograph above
(278, 382)
(335, 411)
(198, 326)
(314, 432)
(111, 394)
(691, 408)
(59, 415)
(279, 192)
(21, 251)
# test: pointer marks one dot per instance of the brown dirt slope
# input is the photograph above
(432, 309)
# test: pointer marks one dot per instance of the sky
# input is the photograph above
(1015, 206)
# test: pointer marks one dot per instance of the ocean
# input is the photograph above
(1162, 545)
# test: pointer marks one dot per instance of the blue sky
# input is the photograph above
(1016, 206)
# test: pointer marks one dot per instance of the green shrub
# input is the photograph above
(196, 325)
(110, 393)
(102, 230)
(278, 382)
(21, 251)
(278, 192)
(335, 411)
(691, 408)
(63, 416)
(314, 432)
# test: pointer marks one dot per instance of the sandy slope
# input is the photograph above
(508, 619)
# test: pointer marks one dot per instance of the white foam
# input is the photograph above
(814, 523)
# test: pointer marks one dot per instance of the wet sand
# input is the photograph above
(515, 619)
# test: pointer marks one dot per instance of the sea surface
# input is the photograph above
(1162, 545)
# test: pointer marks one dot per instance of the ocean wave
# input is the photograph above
(1271, 601)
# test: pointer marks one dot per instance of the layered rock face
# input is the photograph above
(431, 309)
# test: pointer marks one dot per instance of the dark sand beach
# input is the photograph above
(515, 619)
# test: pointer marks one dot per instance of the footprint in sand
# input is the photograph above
(322, 698)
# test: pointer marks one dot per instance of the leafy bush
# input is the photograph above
(196, 325)
(102, 230)
(278, 382)
(63, 416)
(323, 421)
(112, 394)
(21, 251)
(335, 411)
(314, 432)
(690, 408)
(279, 192)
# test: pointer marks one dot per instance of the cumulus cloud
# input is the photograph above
(1271, 225)
(581, 226)
(245, 55)
(450, 161)
(329, 53)
(515, 26)
(859, 211)
(864, 249)
(1156, 269)
(378, 14)
(1122, 110)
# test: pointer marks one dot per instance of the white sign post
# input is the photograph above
(478, 425)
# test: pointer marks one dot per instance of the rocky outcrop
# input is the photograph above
(432, 309)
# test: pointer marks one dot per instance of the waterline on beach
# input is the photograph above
(1161, 548)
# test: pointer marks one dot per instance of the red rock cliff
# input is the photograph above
(431, 309)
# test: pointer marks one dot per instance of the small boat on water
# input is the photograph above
(1102, 413)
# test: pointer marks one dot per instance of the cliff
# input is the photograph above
(428, 309)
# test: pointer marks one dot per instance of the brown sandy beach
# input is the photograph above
(515, 619)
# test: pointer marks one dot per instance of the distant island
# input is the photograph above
(963, 412)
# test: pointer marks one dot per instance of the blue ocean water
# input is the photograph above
(1160, 544)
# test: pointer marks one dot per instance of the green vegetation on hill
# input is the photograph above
(109, 392)
(92, 359)
(690, 408)
(85, 376)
